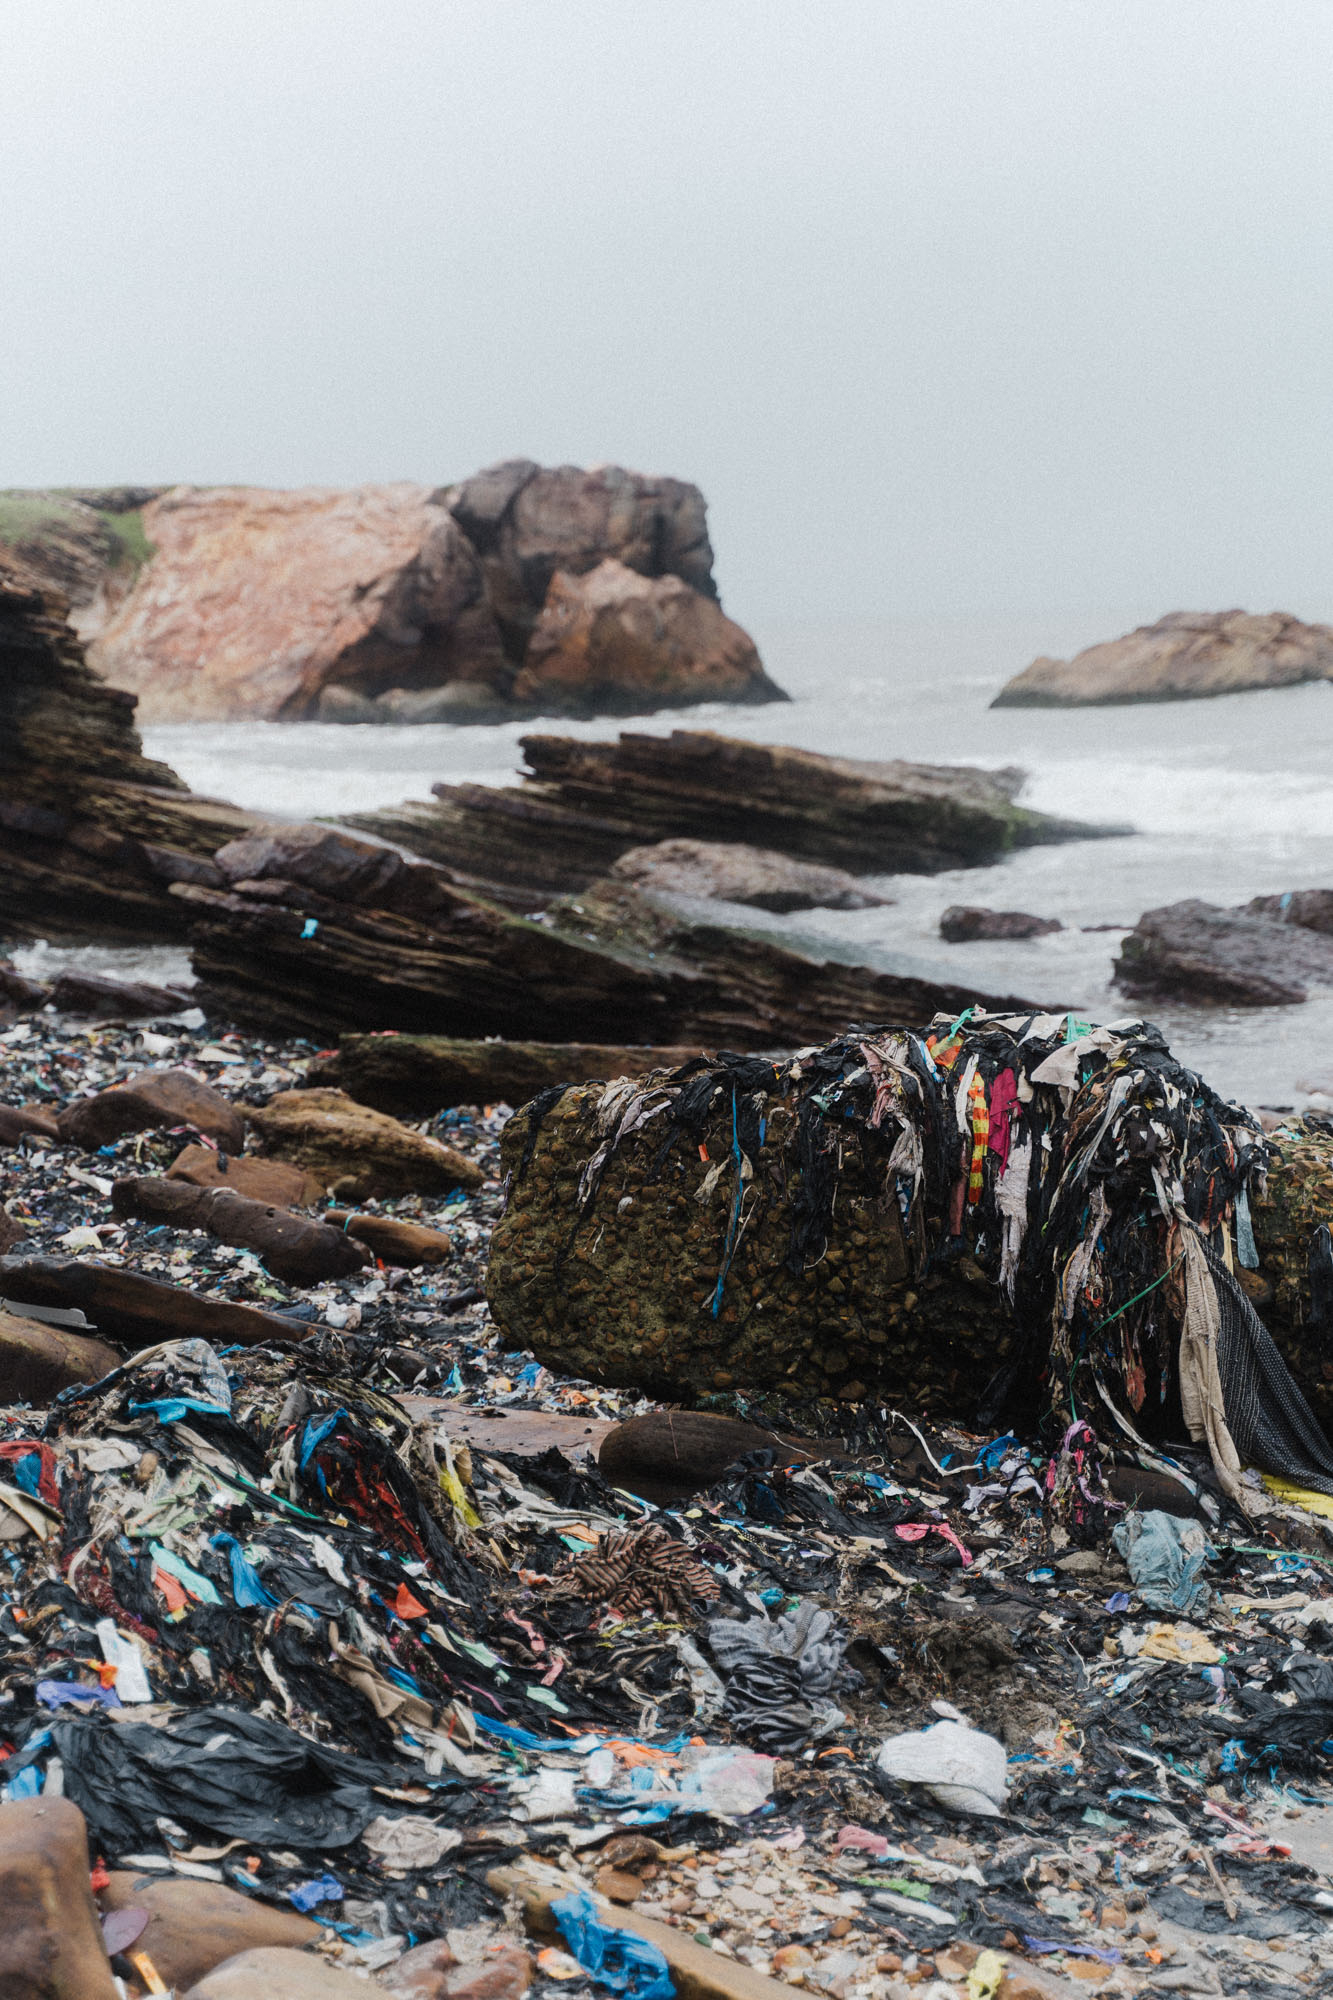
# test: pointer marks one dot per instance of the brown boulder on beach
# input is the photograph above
(150, 1101)
(276, 1973)
(50, 1940)
(37, 1361)
(135, 1311)
(358, 1152)
(274, 1181)
(193, 1926)
(614, 642)
(392, 1239)
(17, 1120)
(1185, 654)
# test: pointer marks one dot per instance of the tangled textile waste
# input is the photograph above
(638, 1570)
(1102, 1186)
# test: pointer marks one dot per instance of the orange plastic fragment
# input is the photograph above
(172, 1589)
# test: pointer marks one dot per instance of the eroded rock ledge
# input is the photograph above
(583, 805)
(92, 832)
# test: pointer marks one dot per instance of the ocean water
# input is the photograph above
(1229, 798)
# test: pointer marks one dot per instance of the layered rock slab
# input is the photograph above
(1184, 655)
(582, 806)
(92, 832)
(283, 952)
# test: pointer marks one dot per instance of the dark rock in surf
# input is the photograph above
(963, 924)
(89, 993)
(1310, 909)
(1197, 952)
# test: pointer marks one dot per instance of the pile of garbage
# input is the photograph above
(1018, 1216)
(335, 1661)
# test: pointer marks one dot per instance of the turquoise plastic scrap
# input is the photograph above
(198, 1586)
(611, 1957)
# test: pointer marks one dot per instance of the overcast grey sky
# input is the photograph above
(998, 306)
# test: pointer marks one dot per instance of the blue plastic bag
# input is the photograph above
(615, 1958)
(324, 1889)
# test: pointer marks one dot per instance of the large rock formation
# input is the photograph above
(370, 604)
(1187, 653)
(582, 805)
(255, 601)
(92, 832)
(617, 643)
(527, 523)
(320, 932)
(1259, 956)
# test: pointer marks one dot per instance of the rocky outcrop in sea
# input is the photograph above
(1185, 654)
(522, 589)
